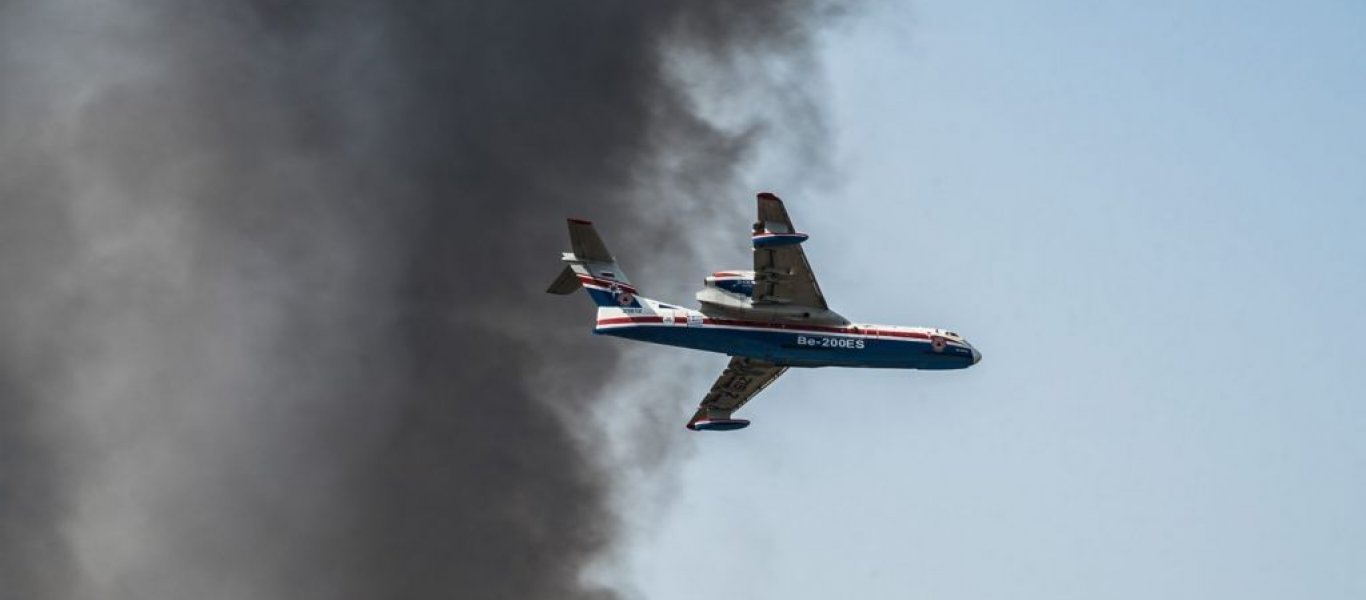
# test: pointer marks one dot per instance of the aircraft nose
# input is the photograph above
(976, 356)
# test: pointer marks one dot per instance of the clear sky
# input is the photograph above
(1151, 219)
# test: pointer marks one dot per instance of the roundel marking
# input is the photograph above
(937, 343)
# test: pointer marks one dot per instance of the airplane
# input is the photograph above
(767, 319)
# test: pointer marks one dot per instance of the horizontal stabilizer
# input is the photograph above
(566, 283)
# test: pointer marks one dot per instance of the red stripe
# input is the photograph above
(620, 320)
(607, 283)
(779, 326)
(797, 327)
(904, 334)
(784, 326)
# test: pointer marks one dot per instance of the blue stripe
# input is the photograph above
(606, 298)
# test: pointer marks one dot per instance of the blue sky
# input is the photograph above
(1151, 219)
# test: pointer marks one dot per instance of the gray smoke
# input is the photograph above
(272, 321)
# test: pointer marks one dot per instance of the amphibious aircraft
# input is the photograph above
(767, 319)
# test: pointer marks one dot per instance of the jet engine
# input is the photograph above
(740, 283)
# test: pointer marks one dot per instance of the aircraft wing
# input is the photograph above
(781, 273)
(742, 379)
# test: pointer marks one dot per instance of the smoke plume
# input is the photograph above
(272, 321)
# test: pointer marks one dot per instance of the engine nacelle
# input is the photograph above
(740, 283)
(730, 295)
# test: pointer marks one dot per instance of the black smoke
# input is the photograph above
(272, 321)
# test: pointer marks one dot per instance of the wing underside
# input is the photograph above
(742, 379)
(782, 275)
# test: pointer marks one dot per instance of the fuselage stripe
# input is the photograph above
(887, 333)
(606, 284)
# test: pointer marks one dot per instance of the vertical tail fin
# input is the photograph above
(592, 267)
